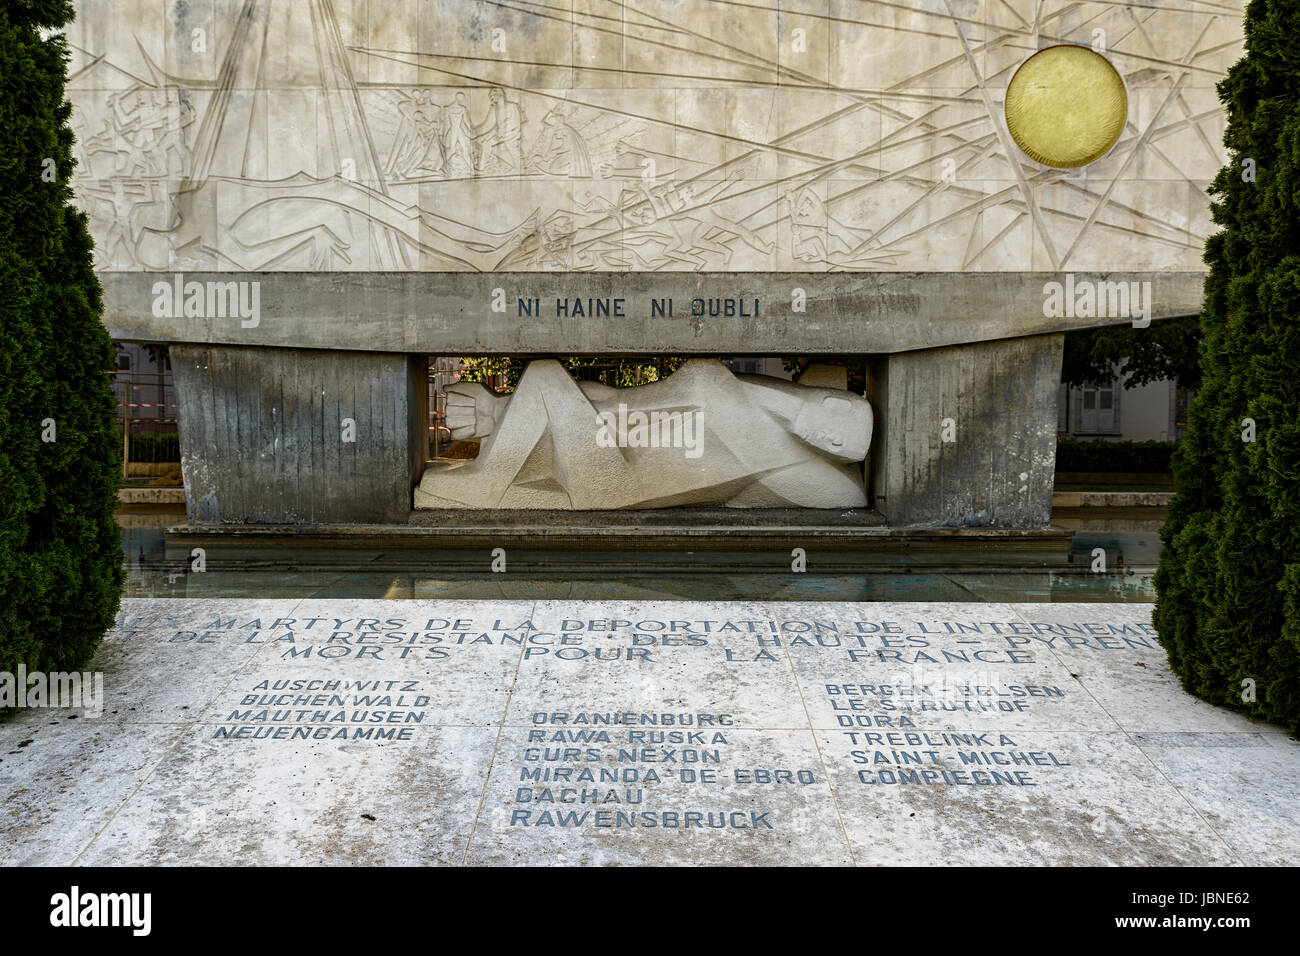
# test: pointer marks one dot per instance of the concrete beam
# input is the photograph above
(452, 314)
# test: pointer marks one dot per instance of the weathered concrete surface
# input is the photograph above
(234, 732)
(298, 435)
(968, 435)
(452, 313)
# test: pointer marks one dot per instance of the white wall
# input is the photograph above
(1144, 412)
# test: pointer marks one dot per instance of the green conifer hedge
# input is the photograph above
(61, 566)
(1228, 585)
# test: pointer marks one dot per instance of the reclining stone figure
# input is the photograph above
(703, 436)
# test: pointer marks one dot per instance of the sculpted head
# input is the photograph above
(839, 426)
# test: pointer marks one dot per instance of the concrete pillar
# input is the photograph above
(998, 471)
(262, 434)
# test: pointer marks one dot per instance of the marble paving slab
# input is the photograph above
(345, 732)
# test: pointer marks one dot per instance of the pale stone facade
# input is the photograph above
(392, 180)
(449, 135)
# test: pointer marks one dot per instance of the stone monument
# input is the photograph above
(382, 183)
(703, 436)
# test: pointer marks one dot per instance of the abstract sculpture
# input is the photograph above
(703, 436)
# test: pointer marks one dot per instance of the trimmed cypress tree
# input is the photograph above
(61, 567)
(1228, 585)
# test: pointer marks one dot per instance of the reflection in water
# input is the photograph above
(1130, 558)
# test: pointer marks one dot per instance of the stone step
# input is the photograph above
(1111, 499)
(152, 495)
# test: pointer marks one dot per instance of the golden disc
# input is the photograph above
(1066, 106)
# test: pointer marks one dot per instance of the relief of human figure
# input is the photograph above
(417, 147)
(817, 236)
(684, 226)
(500, 137)
(144, 135)
(560, 149)
(458, 137)
(179, 116)
(703, 436)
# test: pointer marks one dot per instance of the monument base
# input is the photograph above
(554, 542)
(345, 732)
(965, 437)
